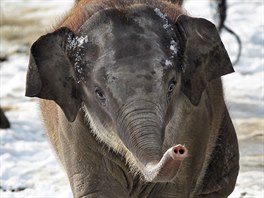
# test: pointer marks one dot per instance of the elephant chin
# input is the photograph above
(165, 169)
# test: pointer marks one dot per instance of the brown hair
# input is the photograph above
(84, 9)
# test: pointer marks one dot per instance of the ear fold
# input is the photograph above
(204, 55)
(50, 73)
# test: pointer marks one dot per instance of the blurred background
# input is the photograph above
(28, 167)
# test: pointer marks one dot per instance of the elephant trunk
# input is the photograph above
(167, 168)
(141, 128)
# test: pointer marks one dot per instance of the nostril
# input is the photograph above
(181, 151)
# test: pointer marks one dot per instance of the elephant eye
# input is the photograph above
(99, 94)
(171, 86)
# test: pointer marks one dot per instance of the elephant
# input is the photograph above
(132, 101)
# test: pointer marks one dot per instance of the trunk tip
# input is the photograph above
(180, 152)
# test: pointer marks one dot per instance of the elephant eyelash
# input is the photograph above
(171, 86)
(100, 95)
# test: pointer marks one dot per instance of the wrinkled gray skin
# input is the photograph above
(125, 98)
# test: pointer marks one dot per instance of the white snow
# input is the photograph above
(168, 63)
(26, 158)
(77, 44)
(173, 47)
(166, 24)
(77, 41)
(160, 14)
(173, 43)
(27, 163)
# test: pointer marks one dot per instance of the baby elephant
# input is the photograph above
(132, 101)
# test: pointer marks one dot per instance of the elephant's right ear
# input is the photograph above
(50, 72)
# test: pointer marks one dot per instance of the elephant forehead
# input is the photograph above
(136, 31)
(127, 50)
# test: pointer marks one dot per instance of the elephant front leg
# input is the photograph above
(92, 177)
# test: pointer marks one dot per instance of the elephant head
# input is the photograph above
(126, 70)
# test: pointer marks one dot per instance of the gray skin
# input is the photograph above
(130, 116)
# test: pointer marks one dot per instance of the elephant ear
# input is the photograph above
(50, 72)
(205, 57)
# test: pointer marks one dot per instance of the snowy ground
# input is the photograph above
(28, 167)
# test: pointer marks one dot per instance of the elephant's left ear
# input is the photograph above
(50, 72)
(205, 57)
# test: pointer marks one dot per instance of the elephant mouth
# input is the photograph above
(165, 169)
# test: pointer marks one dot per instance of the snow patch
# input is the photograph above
(77, 44)
(168, 63)
(173, 47)
(173, 43)
(166, 24)
(160, 14)
(77, 41)
(174, 50)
